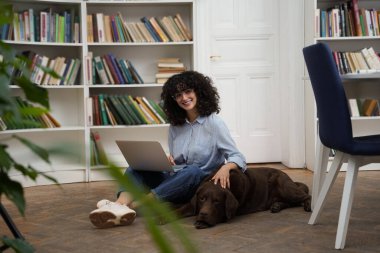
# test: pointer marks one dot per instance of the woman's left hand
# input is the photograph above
(223, 176)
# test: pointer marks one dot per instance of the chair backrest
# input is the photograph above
(335, 129)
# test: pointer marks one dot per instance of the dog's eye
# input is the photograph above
(203, 198)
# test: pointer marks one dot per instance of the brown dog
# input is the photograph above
(258, 189)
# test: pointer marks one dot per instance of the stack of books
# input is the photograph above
(43, 120)
(98, 154)
(114, 110)
(364, 107)
(365, 60)
(347, 19)
(43, 26)
(106, 28)
(108, 69)
(168, 67)
(66, 68)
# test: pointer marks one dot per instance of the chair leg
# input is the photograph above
(347, 199)
(320, 168)
(329, 181)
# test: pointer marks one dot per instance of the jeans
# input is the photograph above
(176, 187)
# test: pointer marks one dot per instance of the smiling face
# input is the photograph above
(186, 99)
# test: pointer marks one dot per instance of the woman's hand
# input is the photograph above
(171, 160)
(223, 175)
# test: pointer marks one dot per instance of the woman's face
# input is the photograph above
(187, 99)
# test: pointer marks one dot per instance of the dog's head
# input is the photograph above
(213, 205)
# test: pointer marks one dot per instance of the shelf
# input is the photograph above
(375, 75)
(348, 38)
(141, 43)
(53, 86)
(133, 126)
(42, 130)
(134, 2)
(54, 44)
(125, 85)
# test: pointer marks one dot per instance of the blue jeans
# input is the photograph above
(177, 187)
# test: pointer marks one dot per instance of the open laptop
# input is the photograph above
(145, 155)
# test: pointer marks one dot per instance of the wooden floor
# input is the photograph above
(57, 221)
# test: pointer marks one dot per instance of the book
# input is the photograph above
(129, 112)
(354, 109)
(150, 28)
(109, 75)
(153, 110)
(112, 69)
(355, 9)
(126, 71)
(136, 109)
(103, 113)
(147, 110)
(99, 146)
(184, 26)
(158, 29)
(100, 70)
(369, 106)
(107, 29)
(136, 76)
(120, 112)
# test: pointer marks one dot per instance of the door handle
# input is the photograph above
(214, 58)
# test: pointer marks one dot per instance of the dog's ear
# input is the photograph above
(194, 202)
(231, 205)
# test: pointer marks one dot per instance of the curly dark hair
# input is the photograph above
(207, 95)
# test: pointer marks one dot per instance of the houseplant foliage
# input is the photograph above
(151, 209)
(10, 188)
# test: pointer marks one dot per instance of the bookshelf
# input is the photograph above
(69, 103)
(357, 86)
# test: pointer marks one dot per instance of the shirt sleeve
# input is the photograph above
(227, 146)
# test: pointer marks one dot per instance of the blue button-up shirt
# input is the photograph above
(206, 142)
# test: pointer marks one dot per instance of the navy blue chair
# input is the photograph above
(335, 132)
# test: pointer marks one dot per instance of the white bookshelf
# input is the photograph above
(356, 85)
(68, 103)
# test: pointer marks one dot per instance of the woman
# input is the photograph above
(199, 144)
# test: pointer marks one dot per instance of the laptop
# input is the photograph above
(145, 155)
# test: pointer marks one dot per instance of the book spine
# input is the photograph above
(148, 25)
(112, 69)
(116, 67)
(103, 110)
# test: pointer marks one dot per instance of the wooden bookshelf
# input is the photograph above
(68, 103)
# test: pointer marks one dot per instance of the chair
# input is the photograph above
(335, 132)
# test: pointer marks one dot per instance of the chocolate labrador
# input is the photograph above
(257, 189)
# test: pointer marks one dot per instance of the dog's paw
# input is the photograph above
(201, 225)
(307, 205)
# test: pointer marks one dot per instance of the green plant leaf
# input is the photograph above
(28, 172)
(42, 153)
(13, 190)
(6, 13)
(5, 159)
(33, 92)
(18, 245)
(33, 111)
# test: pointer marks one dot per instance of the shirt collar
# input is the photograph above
(199, 120)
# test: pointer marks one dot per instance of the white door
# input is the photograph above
(242, 51)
